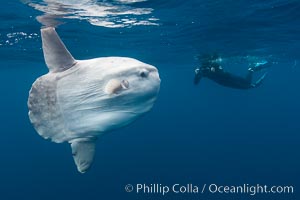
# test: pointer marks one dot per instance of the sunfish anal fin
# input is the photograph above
(83, 151)
(56, 55)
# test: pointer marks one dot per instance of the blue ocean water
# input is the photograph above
(204, 134)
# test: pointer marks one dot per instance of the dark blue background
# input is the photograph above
(194, 134)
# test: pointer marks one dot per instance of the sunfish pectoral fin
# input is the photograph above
(56, 55)
(114, 86)
(83, 151)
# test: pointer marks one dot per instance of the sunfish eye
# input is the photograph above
(144, 73)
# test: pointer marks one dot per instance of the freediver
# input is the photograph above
(210, 68)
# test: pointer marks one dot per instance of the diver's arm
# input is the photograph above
(197, 79)
(198, 76)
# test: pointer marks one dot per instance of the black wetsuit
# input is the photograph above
(215, 72)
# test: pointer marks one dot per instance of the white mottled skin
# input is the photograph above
(70, 104)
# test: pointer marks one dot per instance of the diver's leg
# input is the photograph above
(260, 65)
(259, 81)
(249, 75)
(257, 67)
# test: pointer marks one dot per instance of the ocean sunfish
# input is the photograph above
(79, 100)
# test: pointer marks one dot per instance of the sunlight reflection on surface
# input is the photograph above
(114, 14)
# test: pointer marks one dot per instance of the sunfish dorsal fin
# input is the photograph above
(56, 55)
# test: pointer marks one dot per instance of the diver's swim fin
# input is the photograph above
(259, 81)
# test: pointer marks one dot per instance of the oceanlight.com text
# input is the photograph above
(243, 189)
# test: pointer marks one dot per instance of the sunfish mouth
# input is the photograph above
(115, 86)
